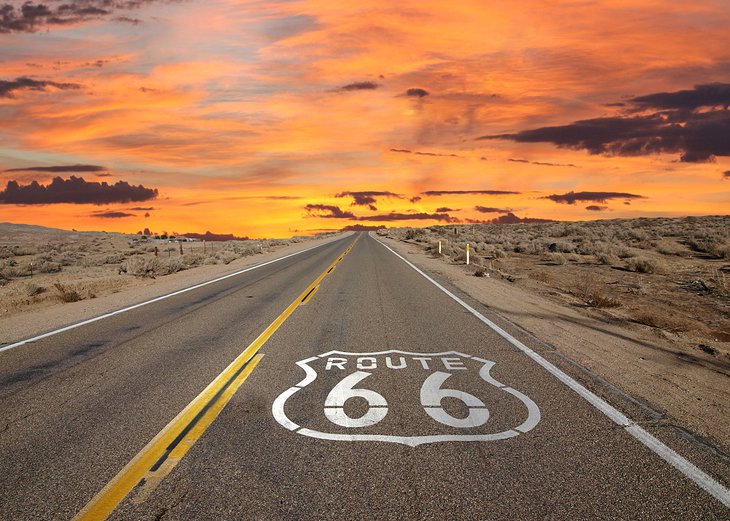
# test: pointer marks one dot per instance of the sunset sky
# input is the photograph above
(275, 118)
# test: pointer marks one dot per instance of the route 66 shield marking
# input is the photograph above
(346, 376)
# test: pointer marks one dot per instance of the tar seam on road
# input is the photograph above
(700, 477)
(157, 459)
(156, 299)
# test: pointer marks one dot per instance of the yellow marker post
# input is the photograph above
(467, 253)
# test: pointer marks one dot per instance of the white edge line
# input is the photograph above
(701, 478)
(156, 299)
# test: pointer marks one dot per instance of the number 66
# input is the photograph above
(431, 396)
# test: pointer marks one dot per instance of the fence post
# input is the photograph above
(467, 253)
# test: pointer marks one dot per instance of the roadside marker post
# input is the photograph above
(439, 247)
(467, 253)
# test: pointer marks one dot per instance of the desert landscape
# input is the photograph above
(644, 303)
(44, 267)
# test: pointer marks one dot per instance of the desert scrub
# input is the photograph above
(143, 266)
(33, 290)
(66, 294)
(555, 258)
(592, 292)
(645, 265)
(45, 266)
(226, 257)
(609, 259)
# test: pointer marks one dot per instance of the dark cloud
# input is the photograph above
(75, 190)
(489, 209)
(360, 85)
(128, 20)
(396, 216)
(415, 199)
(107, 174)
(417, 153)
(335, 212)
(112, 215)
(367, 198)
(30, 17)
(360, 228)
(417, 93)
(709, 95)
(596, 208)
(141, 209)
(328, 211)
(598, 197)
(59, 169)
(682, 122)
(445, 209)
(541, 163)
(8, 87)
(726, 174)
(436, 193)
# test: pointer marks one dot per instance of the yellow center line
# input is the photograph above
(164, 451)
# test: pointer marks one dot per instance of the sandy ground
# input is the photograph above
(53, 313)
(692, 389)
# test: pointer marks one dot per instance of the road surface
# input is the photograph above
(340, 383)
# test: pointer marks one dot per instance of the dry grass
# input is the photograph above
(668, 274)
(68, 266)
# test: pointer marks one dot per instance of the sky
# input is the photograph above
(276, 118)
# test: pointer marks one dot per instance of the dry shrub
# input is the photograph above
(226, 257)
(645, 265)
(67, 294)
(608, 259)
(45, 266)
(33, 290)
(669, 248)
(556, 258)
(143, 266)
(589, 289)
(193, 259)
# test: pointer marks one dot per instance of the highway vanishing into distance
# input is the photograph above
(338, 383)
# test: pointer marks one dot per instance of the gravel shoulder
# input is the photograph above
(30, 322)
(691, 390)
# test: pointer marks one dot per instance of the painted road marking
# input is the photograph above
(157, 299)
(433, 370)
(145, 471)
(700, 477)
(161, 454)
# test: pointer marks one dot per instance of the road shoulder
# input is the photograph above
(687, 394)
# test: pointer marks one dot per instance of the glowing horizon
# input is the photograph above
(251, 117)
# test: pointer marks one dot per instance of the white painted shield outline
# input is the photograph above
(277, 409)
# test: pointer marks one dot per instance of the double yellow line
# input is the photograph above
(157, 459)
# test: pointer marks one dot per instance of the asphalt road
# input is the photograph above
(378, 397)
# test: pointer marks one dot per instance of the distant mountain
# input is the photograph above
(16, 232)
(209, 236)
